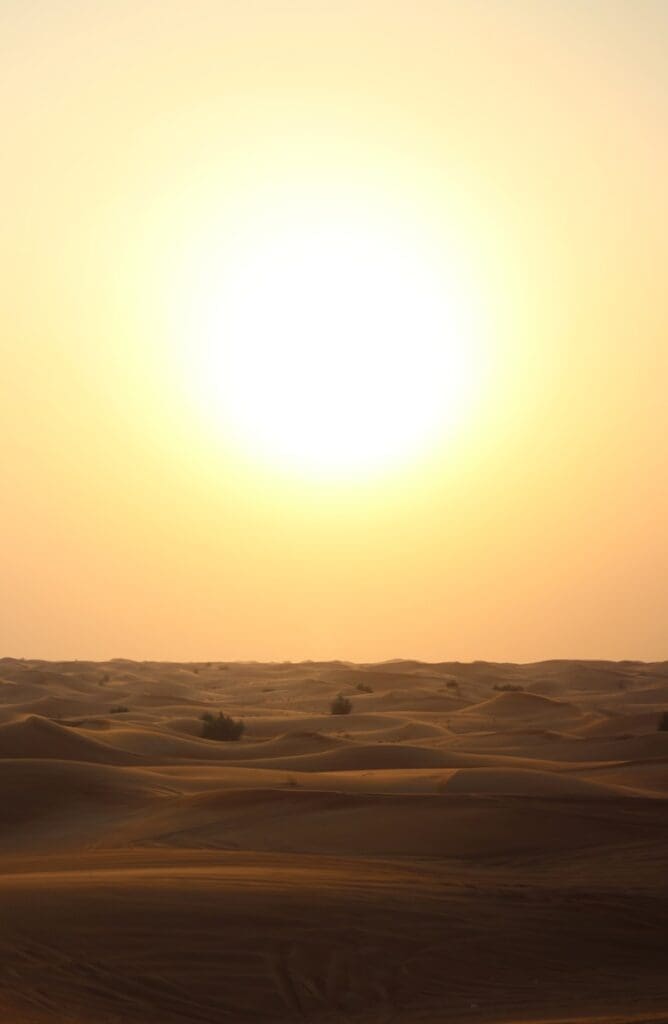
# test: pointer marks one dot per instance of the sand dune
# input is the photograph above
(523, 705)
(356, 722)
(423, 825)
(451, 851)
(552, 746)
(35, 736)
(522, 782)
(362, 758)
(646, 776)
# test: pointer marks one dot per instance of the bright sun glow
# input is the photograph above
(332, 339)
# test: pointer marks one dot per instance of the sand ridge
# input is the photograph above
(482, 843)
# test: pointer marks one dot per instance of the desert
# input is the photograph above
(481, 842)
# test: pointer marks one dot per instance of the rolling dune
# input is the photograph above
(35, 736)
(450, 851)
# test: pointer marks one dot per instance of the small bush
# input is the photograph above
(364, 688)
(340, 705)
(118, 709)
(663, 722)
(221, 727)
(452, 684)
(508, 688)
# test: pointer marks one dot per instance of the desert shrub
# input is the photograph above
(106, 678)
(452, 684)
(340, 705)
(118, 709)
(508, 688)
(221, 727)
(364, 688)
(663, 722)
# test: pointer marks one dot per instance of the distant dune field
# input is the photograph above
(471, 843)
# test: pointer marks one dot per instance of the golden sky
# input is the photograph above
(334, 329)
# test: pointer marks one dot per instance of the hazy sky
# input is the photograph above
(144, 142)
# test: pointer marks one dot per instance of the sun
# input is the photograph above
(329, 339)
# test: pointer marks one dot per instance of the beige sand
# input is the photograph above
(448, 852)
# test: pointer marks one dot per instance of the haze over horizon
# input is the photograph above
(334, 331)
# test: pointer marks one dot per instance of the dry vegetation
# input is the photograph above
(464, 843)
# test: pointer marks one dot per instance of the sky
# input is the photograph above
(334, 329)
